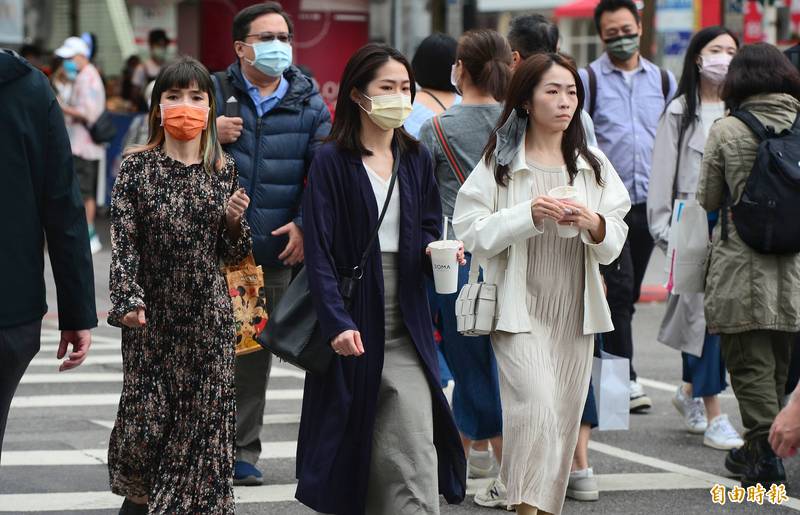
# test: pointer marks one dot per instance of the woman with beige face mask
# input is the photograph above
(376, 434)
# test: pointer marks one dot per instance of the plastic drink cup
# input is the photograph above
(445, 265)
(565, 193)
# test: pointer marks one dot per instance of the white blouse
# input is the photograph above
(389, 233)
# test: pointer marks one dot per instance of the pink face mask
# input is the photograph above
(714, 67)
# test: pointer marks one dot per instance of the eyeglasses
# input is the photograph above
(266, 37)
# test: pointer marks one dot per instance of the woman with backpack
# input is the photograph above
(677, 156)
(752, 297)
(456, 139)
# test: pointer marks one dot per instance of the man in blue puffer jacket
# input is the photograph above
(282, 120)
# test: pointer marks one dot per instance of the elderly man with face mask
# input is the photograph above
(625, 95)
(278, 121)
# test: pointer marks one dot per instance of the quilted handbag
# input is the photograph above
(476, 306)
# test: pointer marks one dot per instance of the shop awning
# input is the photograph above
(516, 5)
(576, 9)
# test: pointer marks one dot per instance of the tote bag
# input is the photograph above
(246, 288)
(611, 381)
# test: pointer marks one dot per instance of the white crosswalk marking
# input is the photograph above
(112, 399)
(269, 450)
(100, 382)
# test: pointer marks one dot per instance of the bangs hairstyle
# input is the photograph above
(186, 72)
(524, 81)
(758, 69)
(360, 70)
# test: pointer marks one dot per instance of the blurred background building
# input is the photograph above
(327, 31)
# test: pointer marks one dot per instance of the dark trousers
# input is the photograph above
(758, 362)
(794, 366)
(624, 281)
(251, 376)
(18, 346)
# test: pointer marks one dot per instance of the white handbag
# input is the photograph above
(476, 305)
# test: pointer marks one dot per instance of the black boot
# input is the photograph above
(765, 467)
(131, 508)
(737, 461)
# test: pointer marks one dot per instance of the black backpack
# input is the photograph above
(767, 217)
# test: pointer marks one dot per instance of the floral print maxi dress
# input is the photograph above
(174, 432)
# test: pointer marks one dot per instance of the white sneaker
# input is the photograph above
(95, 245)
(722, 435)
(494, 496)
(693, 411)
(582, 486)
(639, 400)
(482, 464)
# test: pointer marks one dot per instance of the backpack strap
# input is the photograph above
(592, 90)
(225, 86)
(664, 83)
(752, 122)
(448, 152)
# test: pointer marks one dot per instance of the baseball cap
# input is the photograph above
(73, 46)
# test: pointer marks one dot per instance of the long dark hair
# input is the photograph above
(360, 71)
(526, 77)
(486, 56)
(181, 74)
(689, 84)
(757, 69)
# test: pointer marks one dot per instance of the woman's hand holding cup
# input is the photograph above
(543, 207)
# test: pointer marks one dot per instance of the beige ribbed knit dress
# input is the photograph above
(544, 375)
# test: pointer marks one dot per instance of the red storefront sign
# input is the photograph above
(753, 28)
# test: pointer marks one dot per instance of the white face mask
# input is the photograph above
(389, 111)
(714, 67)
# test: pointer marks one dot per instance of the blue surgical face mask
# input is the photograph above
(271, 57)
(71, 69)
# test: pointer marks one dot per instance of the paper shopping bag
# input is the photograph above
(246, 288)
(611, 380)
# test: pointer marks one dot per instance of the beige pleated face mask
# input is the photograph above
(389, 111)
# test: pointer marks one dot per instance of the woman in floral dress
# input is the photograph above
(177, 211)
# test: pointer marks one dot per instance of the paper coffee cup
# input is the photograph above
(445, 265)
(565, 193)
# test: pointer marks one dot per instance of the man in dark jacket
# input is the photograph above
(281, 121)
(39, 199)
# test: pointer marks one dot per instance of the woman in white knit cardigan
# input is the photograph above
(549, 290)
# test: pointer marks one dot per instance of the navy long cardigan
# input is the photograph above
(338, 416)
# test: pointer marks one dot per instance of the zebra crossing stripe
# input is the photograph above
(116, 377)
(41, 458)
(112, 399)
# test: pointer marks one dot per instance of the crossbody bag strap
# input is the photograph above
(348, 282)
(441, 137)
(434, 97)
(358, 270)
